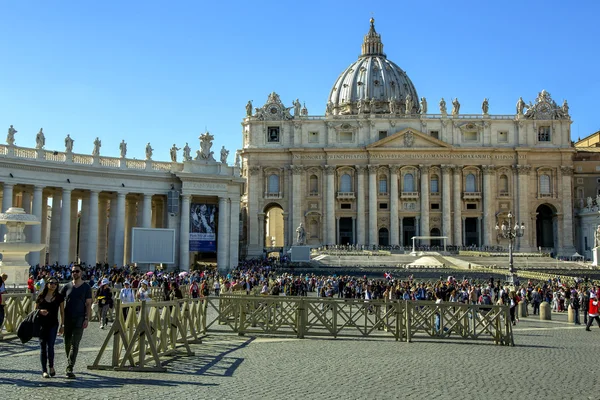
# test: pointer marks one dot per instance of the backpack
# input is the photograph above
(486, 299)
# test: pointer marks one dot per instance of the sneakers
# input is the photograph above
(45, 375)
(588, 329)
(52, 372)
(70, 375)
(101, 326)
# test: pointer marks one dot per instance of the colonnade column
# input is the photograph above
(84, 229)
(73, 235)
(44, 227)
(36, 230)
(223, 238)
(147, 211)
(184, 233)
(55, 227)
(446, 198)
(360, 205)
(119, 246)
(7, 201)
(131, 205)
(254, 188)
(112, 229)
(65, 228)
(93, 235)
(234, 233)
(567, 234)
(372, 205)
(102, 228)
(297, 196)
(523, 209)
(458, 220)
(395, 240)
(26, 205)
(425, 201)
(330, 204)
(488, 202)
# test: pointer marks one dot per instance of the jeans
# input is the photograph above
(73, 334)
(576, 311)
(47, 340)
(536, 308)
(104, 314)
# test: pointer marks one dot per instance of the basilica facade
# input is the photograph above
(383, 165)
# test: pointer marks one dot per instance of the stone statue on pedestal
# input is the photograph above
(423, 105)
(249, 108)
(597, 237)
(205, 145)
(40, 140)
(443, 110)
(10, 138)
(485, 106)
(237, 159)
(297, 107)
(97, 145)
(173, 153)
(224, 155)
(409, 104)
(520, 106)
(455, 106)
(149, 151)
(300, 235)
(69, 144)
(186, 153)
(123, 148)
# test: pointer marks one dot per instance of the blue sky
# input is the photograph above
(164, 71)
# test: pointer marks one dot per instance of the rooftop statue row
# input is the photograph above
(544, 108)
(204, 153)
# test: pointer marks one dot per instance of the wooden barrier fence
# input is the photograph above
(16, 308)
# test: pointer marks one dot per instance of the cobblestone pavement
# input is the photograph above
(551, 358)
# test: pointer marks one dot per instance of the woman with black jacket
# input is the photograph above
(49, 303)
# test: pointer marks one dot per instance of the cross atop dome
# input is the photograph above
(372, 45)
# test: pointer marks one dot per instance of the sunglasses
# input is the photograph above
(76, 271)
(52, 283)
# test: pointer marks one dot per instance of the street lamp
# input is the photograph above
(510, 232)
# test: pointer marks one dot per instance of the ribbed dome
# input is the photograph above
(372, 81)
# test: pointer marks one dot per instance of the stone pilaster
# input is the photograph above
(184, 235)
(446, 204)
(223, 238)
(567, 247)
(424, 169)
(254, 188)
(234, 232)
(373, 236)
(330, 204)
(297, 171)
(360, 205)
(458, 219)
(488, 204)
(524, 243)
(394, 237)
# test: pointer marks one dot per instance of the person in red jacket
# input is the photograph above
(31, 284)
(593, 311)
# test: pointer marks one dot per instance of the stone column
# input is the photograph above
(424, 201)
(93, 233)
(337, 231)
(254, 189)
(84, 229)
(223, 238)
(446, 199)
(261, 231)
(147, 211)
(7, 201)
(55, 227)
(74, 234)
(287, 236)
(523, 244)
(373, 205)
(119, 249)
(65, 228)
(184, 235)
(360, 205)
(394, 236)
(480, 233)
(131, 211)
(234, 232)
(26, 201)
(567, 204)
(464, 234)
(488, 203)
(458, 219)
(44, 225)
(330, 204)
(36, 231)
(112, 224)
(297, 171)
(101, 253)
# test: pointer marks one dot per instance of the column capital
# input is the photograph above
(522, 169)
(38, 188)
(329, 169)
(254, 170)
(424, 168)
(488, 169)
(297, 169)
(360, 168)
(394, 169)
(372, 168)
(447, 168)
(566, 170)
(457, 169)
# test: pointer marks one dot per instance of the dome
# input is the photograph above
(372, 84)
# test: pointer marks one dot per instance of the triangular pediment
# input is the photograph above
(408, 138)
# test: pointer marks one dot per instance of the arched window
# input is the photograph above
(503, 184)
(273, 184)
(545, 184)
(470, 180)
(346, 183)
(383, 184)
(434, 186)
(314, 229)
(409, 183)
(314, 184)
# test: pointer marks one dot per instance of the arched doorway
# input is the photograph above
(544, 226)
(435, 242)
(274, 235)
(384, 237)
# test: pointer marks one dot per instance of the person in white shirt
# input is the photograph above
(126, 296)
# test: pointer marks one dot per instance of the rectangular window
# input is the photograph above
(435, 206)
(383, 186)
(544, 134)
(470, 136)
(471, 206)
(502, 137)
(434, 134)
(433, 184)
(273, 134)
(383, 206)
(346, 137)
(382, 134)
(313, 137)
(346, 206)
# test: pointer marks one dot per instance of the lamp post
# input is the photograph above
(510, 232)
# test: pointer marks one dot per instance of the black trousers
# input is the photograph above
(72, 336)
(591, 320)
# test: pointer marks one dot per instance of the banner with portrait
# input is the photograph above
(203, 223)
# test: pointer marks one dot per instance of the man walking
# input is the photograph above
(78, 308)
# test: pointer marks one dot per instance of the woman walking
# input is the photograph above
(49, 303)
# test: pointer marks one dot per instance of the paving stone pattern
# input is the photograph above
(553, 359)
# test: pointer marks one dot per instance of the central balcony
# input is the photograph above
(345, 195)
(409, 195)
(471, 195)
